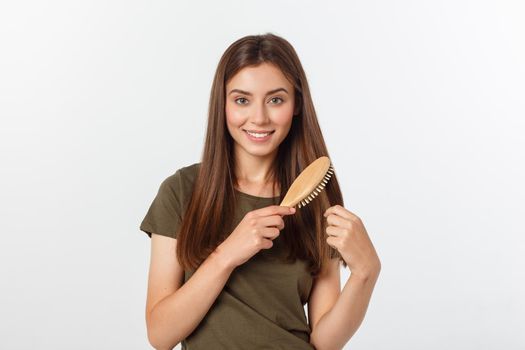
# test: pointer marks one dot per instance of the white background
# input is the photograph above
(421, 104)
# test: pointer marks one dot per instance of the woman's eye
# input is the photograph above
(243, 101)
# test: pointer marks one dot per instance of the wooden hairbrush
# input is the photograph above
(310, 182)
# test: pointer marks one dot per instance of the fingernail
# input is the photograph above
(292, 210)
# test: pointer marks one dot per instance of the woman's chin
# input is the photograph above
(259, 151)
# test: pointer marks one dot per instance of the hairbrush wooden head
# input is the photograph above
(310, 182)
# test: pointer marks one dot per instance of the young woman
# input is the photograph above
(230, 268)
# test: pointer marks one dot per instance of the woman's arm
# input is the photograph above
(174, 317)
(338, 325)
(347, 233)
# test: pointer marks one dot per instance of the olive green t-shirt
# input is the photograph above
(262, 304)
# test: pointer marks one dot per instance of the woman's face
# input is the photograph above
(259, 99)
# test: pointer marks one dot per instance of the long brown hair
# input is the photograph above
(209, 213)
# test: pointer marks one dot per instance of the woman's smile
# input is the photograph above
(258, 136)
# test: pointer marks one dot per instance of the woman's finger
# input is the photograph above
(336, 220)
(334, 231)
(273, 220)
(341, 211)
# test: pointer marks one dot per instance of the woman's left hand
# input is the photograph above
(348, 235)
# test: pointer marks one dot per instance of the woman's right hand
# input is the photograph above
(254, 232)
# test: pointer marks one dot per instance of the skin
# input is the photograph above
(258, 111)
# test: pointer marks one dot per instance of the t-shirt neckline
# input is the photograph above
(251, 196)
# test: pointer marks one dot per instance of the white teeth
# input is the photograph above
(258, 135)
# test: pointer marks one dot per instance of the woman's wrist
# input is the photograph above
(221, 259)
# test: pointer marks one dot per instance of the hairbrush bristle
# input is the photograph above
(318, 189)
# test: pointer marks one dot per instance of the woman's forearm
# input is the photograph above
(176, 316)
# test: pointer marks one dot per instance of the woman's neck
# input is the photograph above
(255, 175)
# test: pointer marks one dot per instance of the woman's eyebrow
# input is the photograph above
(250, 94)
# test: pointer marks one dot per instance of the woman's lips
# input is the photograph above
(259, 139)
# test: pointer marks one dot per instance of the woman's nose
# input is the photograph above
(259, 115)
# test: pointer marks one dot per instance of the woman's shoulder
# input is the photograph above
(188, 172)
(183, 178)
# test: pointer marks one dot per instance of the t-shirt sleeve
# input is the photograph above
(164, 215)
